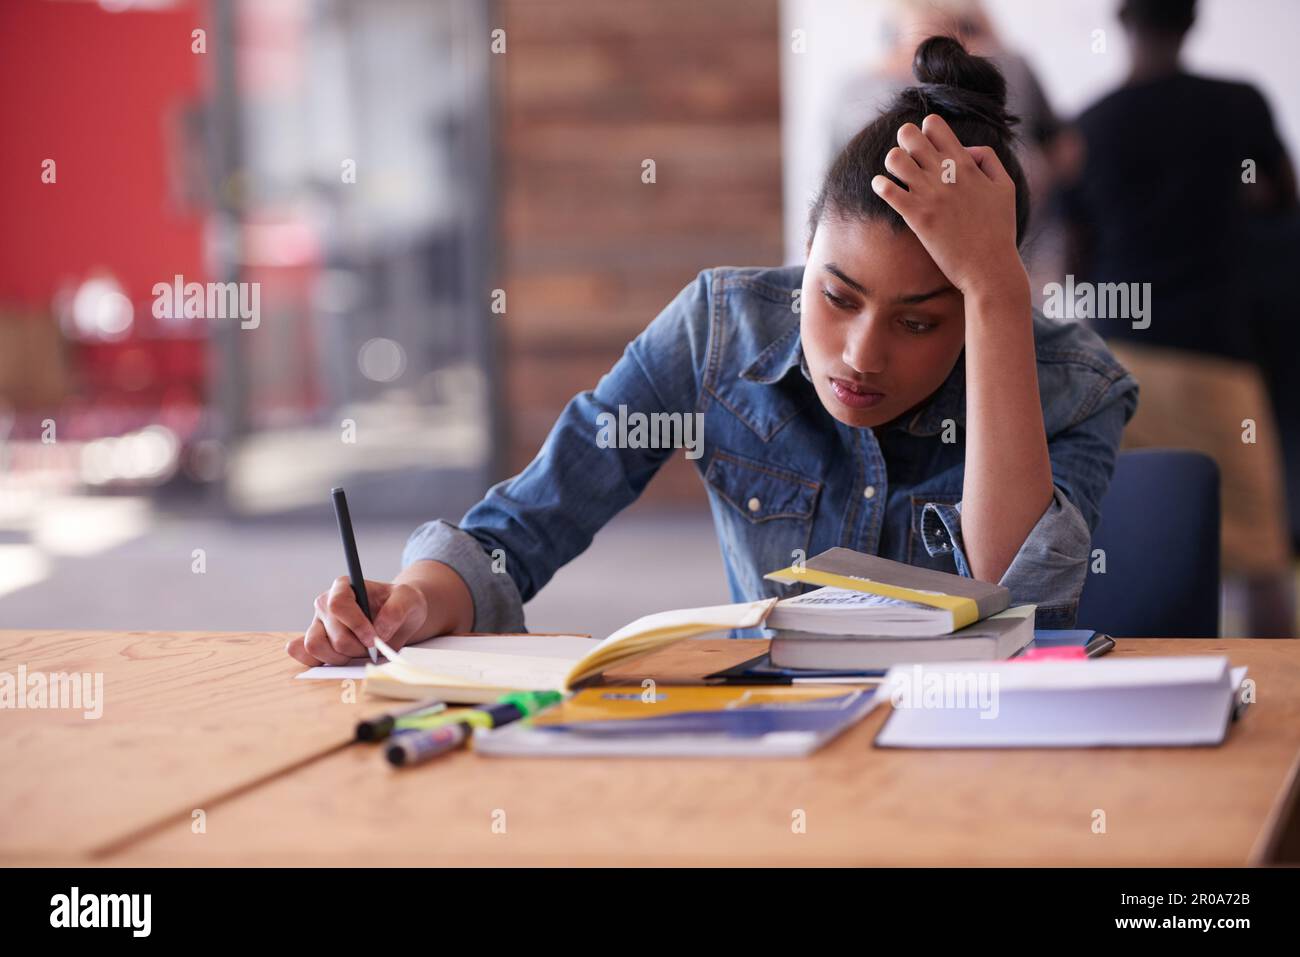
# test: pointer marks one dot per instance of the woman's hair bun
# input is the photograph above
(961, 81)
(945, 62)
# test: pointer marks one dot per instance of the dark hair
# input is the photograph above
(1168, 17)
(967, 91)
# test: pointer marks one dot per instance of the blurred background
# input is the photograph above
(441, 204)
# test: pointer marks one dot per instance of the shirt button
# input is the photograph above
(754, 504)
(869, 492)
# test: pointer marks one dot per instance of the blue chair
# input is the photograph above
(1160, 531)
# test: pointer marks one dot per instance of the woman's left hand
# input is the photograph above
(960, 202)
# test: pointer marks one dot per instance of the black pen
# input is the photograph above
(1098, 645)
(353, 559)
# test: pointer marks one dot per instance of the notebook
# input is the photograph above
(877, 596)
(1103, 702)
(466, 676)
(998, 637)
(534, 644)
(675, 721)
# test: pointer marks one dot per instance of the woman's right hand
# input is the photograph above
(340, 632)
(428, 598)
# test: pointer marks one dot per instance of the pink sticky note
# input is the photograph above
(1052, 654)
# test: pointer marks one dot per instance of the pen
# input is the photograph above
(418, 746)
(376, 729)
(353, 559)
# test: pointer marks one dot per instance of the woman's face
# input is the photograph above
(881, 326)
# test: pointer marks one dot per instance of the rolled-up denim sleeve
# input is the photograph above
(497, 605)
(1051, 566)
(512, 542)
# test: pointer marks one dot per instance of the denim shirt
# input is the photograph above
(785, 479)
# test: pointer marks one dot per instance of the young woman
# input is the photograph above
(896, 395)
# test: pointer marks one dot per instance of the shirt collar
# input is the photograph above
(777, 359)
(948, 402)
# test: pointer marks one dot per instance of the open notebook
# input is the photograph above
(461, 673)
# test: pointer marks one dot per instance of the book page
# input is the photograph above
(831, 597)
(450, 667)
(568, 647)
(663, 628)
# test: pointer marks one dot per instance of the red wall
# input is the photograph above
(93, 91)
(101, 94)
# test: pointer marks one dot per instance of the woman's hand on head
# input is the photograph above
(960, 202)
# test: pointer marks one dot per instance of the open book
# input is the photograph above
(464, 676)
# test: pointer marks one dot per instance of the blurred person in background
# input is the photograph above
(1174, 170)
(907, 23)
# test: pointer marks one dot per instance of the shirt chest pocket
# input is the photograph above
(764, 515)
(917, 553)
(761, 492)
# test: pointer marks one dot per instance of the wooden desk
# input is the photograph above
(1196, 806)
(186, 716)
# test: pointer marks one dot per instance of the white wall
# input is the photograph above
(1238, 39)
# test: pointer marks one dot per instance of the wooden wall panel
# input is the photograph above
(590, 254)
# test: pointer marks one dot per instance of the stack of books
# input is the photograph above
(872, 613)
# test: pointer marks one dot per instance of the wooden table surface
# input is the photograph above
(217, 723)
(186, 716)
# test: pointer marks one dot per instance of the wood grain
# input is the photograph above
(186, 716)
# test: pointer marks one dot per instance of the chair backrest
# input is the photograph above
(1159, 532)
